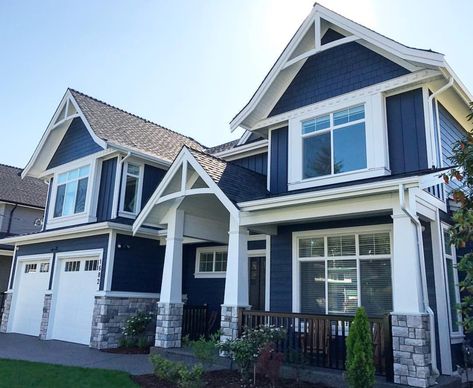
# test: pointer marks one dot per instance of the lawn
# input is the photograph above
(32, 374)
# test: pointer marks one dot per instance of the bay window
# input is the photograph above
(337, 273)
(71, 192)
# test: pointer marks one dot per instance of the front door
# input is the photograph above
(257, 282)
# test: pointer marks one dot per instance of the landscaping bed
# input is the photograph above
(223, 378)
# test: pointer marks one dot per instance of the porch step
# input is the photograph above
(449, 382)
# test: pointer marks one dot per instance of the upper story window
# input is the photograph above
(71, 192)
(131, 189)
(334, 143)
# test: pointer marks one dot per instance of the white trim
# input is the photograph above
(126, 294)
(267, 299)
(214, 250)
(139, 188)
(4, 252)
(108, 276)
(244, 138)
(254, 148)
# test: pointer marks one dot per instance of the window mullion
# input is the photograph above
(326, 286)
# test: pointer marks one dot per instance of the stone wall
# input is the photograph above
(229, 323)
(110, 315)
(43, 329)
(169, 325)
(6, 313)
(411, 350)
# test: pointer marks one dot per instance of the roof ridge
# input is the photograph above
(134, 115)
(10, 166)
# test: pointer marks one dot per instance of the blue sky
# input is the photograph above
(189, 65)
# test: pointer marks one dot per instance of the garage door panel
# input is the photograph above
(78, 283)
(33, 283)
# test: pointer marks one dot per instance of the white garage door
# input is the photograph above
(33, 280)
(75, 295)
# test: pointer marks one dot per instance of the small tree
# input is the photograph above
(359, 365)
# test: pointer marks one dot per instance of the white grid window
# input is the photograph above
(91, 265)
(130, 202)
(211, 262)
(72, 266)
(338, 273)
(44, 267)
(71, 192)
(31, 268)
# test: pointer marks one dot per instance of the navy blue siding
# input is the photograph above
(75, 144)
(257, 244)
(257, 163)
(106, 190)
(281, 256)
(152, 177)
(138, 264)
(450, 132)
(336, 71)
(279, 156)
(406, 132)
(73, 244)
(331, 36)
(201, 291)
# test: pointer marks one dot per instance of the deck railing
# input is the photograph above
(199, 321)
(319, 340)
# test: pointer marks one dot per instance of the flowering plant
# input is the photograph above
(135, 327)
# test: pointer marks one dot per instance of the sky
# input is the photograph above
(188, 65)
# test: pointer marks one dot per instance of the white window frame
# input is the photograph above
(377, 159)
(453, 257)
(77, 218)
(296, 260)
(213, 274)
(122, 212)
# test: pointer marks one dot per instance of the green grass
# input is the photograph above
(32, 374)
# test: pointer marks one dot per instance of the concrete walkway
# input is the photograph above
(23, 347)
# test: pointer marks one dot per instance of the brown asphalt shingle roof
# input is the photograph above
(28, 191)
(238, 183)
(116, 126)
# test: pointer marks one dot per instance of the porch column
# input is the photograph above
(410, 323)
(236, 282)
(170, 306)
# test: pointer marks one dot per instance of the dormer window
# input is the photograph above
(131, 189)
(334, 143)
(71, 192)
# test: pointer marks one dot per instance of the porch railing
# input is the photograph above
(319, 340)
(2, 303)
(198, 321)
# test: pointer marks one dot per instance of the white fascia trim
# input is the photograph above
(256, 148)
(4, 252)
(40, 256)
(329, 195)
(80, 254)
(383, 87)
(126, 294)
(141, 154)
(459, 86)
(244, 138)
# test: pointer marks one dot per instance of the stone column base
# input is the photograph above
(6, 313)
(411, 349)
(43, 329)
(109, 317)
(169, 325)
(229, 323)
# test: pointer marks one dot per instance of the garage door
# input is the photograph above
(33, 280)
(75, 296)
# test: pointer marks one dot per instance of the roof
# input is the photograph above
(28, 191)
(238, 183)
(222, 147)
(116, 126)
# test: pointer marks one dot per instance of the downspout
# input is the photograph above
(448, 85)
(423, 279)
(11, 218)
(118, 184)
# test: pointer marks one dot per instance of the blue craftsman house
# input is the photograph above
(331, 199)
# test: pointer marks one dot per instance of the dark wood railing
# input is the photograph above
(319, 340)
(2, 303)
(199, 321)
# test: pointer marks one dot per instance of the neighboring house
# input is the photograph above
(332, 199)
(21, 212)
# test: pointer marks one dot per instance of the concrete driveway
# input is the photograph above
(24, 347)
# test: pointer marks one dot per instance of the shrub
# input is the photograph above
(135, 329)
(190, 377)
(359, 365)
(177, 373)
(206, 350)
(270, 362)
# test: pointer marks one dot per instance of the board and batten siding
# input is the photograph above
(279, 161)
(106, 189)
(138, 264)
(75, 144)
(257, 163)
(281, 256)
(406, 132)
(152, 177)
(334, 72)
(450, 132)
(68, 245)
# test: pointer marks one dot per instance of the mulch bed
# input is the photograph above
(127, 350)
(223, 378)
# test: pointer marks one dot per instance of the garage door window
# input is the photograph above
(30, 268)
(91, 265)
(72, 266)
(44, 267)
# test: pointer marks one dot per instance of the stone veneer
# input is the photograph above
(6, 312)
(411, 350)
(229, 323)
(110, 315)
(43, 329)
(169, 325)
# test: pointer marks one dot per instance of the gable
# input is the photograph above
(75, 144)
(336, 71)
(331, 36)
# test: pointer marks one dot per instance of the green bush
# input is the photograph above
(135, 329)
(190, 377)
(177, 373)
(359, 365)
(206, 350)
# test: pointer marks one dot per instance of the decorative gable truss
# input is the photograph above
(322, 30)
